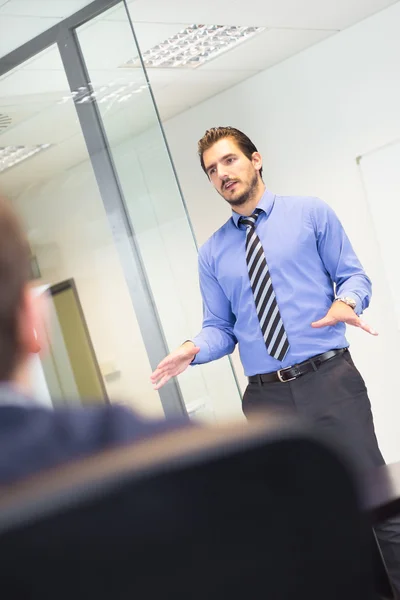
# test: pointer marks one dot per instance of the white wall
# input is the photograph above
(311, 116)
(380, 171)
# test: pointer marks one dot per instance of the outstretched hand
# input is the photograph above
(174, 364)
(340, 312)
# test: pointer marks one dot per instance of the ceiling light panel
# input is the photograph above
(193, 46)
(5, 121)
(12, 155)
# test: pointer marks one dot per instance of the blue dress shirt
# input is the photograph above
(307, 252)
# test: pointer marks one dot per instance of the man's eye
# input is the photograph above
(211, 171)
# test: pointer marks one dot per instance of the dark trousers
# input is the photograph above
(335, 399)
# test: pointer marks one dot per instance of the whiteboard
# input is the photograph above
(380, 171)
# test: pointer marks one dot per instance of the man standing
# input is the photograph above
(281, 279)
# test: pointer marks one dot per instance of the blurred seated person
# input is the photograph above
(32, 437)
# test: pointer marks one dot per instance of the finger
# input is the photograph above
(164, 363)
(325, 322)
(158, 373)
(366, 327)
(162, 382)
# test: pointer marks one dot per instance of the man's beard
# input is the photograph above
(247, 195)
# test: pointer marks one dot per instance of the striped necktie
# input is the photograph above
(271, 324)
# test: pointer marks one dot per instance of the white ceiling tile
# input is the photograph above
(48, 60)
(116, 78)
(148, 34)
(106, 44)
(43, 127)
(196, 86)
(162, 77)
(130, 80)
(19, 112)
(22, 83)
(44, 166)
(307, 14)
(116, 13)
(167, 111)
(267, 49)
(15, 31)
(37, 101)
(43, 8)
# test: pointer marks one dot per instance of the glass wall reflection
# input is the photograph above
(54, 190)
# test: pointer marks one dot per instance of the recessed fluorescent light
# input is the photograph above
(194, 46)
(12, 155)
(5, 121)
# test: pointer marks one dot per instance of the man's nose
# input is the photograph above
(221, 171)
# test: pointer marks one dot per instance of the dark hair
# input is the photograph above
(215, 134)
(14, 275)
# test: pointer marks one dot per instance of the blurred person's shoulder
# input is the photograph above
(35, 438)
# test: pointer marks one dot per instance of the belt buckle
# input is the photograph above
(279, 374)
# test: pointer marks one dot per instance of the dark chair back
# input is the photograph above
(260, 511)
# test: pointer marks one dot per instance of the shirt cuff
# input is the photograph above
(204, 355)
(354, 296)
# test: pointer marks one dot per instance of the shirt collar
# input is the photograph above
(266, 203)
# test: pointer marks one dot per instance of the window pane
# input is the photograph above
(22, 20)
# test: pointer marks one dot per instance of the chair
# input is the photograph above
(246, 511)
(381, 501)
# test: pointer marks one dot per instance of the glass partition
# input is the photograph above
(86, 164)
(153, 201)
(96, 347)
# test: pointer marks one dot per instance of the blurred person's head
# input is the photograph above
(233, 165)
(21, 312)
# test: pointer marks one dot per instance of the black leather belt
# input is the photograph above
(292, 373)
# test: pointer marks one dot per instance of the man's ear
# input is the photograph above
(32, 320)
(256, 159)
